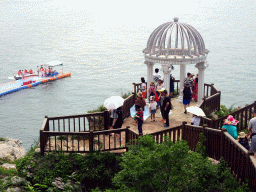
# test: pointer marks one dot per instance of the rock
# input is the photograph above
(18, 180)
(8, 166)
(15, 189)
(37, 150)
(12, 149)
(58, 183)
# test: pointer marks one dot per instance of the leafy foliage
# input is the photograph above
(91, 170)
(200, 146)
(149, 166)
(224, 111)
(100, 109)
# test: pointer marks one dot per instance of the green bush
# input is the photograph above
(149, 166)
(91, 170)
(125, 95)
(2, 139)
(224, 111)
(100, 109)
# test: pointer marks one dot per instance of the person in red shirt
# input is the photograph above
(30, 71)
(19, 72)
(25, 71)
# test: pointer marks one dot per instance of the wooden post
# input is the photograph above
(42, 142)
(106, 120)
(183, 128)
(134, 88)
(91, 142)
(127, 138)
(47, 124)
(221, 141)
(211, 89)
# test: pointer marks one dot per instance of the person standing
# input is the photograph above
(252, 130)
(139, 118)
(243, 140)
(230, 124)
(143, 88)
(166, 107)
(140, 101)
(172, 79)
(117, 120)
(189, 79)
(159, 86)
(187, 92)
(195, 89)
(161, 102)
(152, 108)
(156, 76)
(151, 90)
(38, 70)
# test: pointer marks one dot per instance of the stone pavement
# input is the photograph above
(177, 116)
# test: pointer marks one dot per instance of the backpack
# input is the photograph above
(187, 93)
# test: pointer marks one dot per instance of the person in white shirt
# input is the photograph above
(152, 108)
(156, 75)
(195, 120)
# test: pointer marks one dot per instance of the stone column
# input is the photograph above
(150, 71)
(166, 70)
(182, 79)
(201, 67)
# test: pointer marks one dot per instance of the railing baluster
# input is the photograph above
(79, 124)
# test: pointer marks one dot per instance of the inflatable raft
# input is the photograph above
(28, 82)
(32, 79)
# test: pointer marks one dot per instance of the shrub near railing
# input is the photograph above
(242, 115)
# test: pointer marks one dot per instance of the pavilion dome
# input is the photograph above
(175, 43)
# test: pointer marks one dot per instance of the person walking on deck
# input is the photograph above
(139, 118)
(187, 92)
(252, 130)
(166, 107)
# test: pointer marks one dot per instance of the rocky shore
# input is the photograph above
(12, 149)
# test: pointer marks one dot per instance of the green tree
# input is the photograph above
(149, 166)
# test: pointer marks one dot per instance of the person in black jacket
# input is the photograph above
(166, 108)
(243, 140)
(187, 93)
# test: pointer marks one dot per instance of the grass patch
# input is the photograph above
(100, 109)
(2, 139)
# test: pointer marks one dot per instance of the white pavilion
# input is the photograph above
(175, 43)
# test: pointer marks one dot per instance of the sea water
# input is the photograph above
(101, 44)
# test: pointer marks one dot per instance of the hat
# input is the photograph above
(161, 90)
(152, 83)
(241, 135)
(230, 121)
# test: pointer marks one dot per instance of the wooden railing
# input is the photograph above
(83, 142)
(128, 103)
(241, 162)
(218, 144)
(242, 115)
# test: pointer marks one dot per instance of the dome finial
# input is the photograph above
(176, 19)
